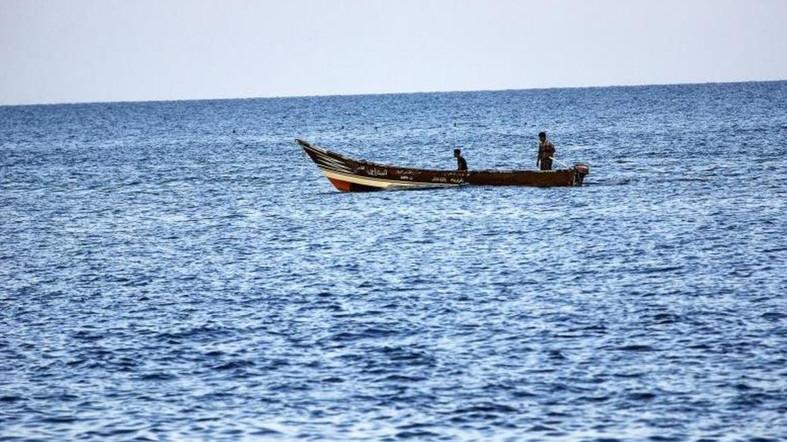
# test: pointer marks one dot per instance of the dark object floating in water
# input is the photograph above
(349, 175)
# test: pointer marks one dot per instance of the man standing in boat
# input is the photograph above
(546, 150)
(461, 164)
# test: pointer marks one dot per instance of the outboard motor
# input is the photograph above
(580, 170)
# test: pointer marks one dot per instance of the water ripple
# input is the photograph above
(180, 270)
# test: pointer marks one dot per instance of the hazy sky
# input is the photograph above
(79, 50)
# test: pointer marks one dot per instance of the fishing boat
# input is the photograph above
(351, 175)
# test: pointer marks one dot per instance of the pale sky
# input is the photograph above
(55, 51)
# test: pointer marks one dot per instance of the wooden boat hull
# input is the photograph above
(350, 175)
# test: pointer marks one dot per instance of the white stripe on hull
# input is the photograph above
(380, 182)
(333, 164)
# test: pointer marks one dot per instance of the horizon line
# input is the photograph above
(329, 95)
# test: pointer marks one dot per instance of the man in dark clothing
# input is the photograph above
(461, 164)
(546, 150)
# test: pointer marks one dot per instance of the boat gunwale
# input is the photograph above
(307, 145)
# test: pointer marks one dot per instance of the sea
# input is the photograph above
(181, 271)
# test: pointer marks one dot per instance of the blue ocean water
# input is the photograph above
(181, 270)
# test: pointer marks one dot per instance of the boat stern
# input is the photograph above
(581, 170)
